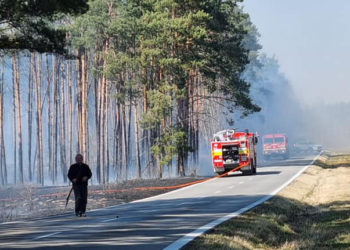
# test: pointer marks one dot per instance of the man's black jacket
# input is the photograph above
(78, 171)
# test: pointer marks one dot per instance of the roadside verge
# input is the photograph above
(313, 212)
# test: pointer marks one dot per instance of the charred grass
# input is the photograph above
(27, 201)
(311, 213)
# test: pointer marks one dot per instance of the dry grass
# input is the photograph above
(311, 213)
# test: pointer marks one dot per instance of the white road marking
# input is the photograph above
(189, 237)
(150, 210)
(230, 187)
(110, 220)
(11, 222)
(241, 182)
(218, 192)
(203, 197)
(190, 203)
(46, 235)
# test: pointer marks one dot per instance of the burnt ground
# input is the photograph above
(29, 201)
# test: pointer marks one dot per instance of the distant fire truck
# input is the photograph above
(275, 145)
(234, 150)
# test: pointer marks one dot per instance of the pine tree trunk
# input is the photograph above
(53, 157)
(191, 115)
(57, 113)
(153, 136)
(49, 114)
(159, 168)
(19, 122)
(40, 122)
(63, 126)
(106, 135)
(129, 127)
(148, 152)
(70, 113)
(14, 68)
(30, 119)
(102, 132)
(2, 177)
(83, 102)
(137, 146)
(3, 167)
(197, 120)
(117, 133)
(118, 137)
(114, 144)
(146, 133)
(40, 172)
(97, 125)
(182, 119)
(52, 119)
(79, 100)
(86, 109)
(125, 147)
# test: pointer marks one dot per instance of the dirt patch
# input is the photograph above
(29, 201)
(313, 212)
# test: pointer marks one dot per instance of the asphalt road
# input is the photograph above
(152, 223)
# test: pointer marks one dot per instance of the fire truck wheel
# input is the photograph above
(255, 164)
(251, 169)
(254, 168)
(219, 173)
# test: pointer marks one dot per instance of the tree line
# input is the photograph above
(134, 89)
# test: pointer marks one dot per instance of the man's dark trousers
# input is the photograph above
(80, 194)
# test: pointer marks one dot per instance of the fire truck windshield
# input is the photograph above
(268, 140)
(279, 139)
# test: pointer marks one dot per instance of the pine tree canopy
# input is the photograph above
(34, 24)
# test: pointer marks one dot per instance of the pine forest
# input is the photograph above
(138, 87)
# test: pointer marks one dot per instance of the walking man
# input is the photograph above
(79, 174)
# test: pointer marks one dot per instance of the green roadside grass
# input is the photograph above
(311, 213)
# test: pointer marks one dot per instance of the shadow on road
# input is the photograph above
(293, 161)
(240, 174)
(268, 173)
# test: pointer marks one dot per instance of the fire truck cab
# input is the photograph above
(234, 150)
(275, 145)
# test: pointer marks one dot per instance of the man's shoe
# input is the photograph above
(83, 215)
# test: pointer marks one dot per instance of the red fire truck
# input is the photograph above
(275, 145)
(234, 150)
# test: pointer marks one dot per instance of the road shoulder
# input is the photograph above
(312, 212)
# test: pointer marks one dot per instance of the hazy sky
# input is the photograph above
(311, 40)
